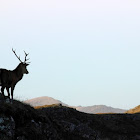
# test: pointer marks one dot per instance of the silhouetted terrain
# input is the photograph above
(20, 121)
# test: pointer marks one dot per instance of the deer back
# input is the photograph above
(8, 78)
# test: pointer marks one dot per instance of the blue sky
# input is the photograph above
(81, 52)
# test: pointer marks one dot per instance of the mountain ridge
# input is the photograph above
(100, 109)
(45, 100)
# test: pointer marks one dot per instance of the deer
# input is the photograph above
(9, 78)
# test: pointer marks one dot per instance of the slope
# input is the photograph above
(20, 121)
(134, 110)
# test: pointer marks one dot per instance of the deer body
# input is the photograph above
(9, 78)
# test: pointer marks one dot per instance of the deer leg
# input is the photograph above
(12, 90)
(2, 90)
(8, 92)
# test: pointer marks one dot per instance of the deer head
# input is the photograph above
(24, 64)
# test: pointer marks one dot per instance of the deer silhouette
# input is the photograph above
(9, 78)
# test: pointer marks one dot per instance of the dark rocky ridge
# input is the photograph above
(19, 121)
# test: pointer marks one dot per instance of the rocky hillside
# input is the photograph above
(134, 110)
(19, 121)
(42, 101)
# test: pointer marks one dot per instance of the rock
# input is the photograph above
(7, 127)
(4, 99)
(21, 138)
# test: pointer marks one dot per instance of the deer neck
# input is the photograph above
(18, 72)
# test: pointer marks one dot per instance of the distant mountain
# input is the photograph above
(42, 101)
(134, 110)
(99, 109)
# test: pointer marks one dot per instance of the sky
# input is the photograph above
(82, 52)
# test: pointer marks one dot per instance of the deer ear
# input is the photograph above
(27, 64)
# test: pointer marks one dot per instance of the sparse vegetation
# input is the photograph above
(134, 110)
(45, 106)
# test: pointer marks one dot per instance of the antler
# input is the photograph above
(26, 54)
(16, 55)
